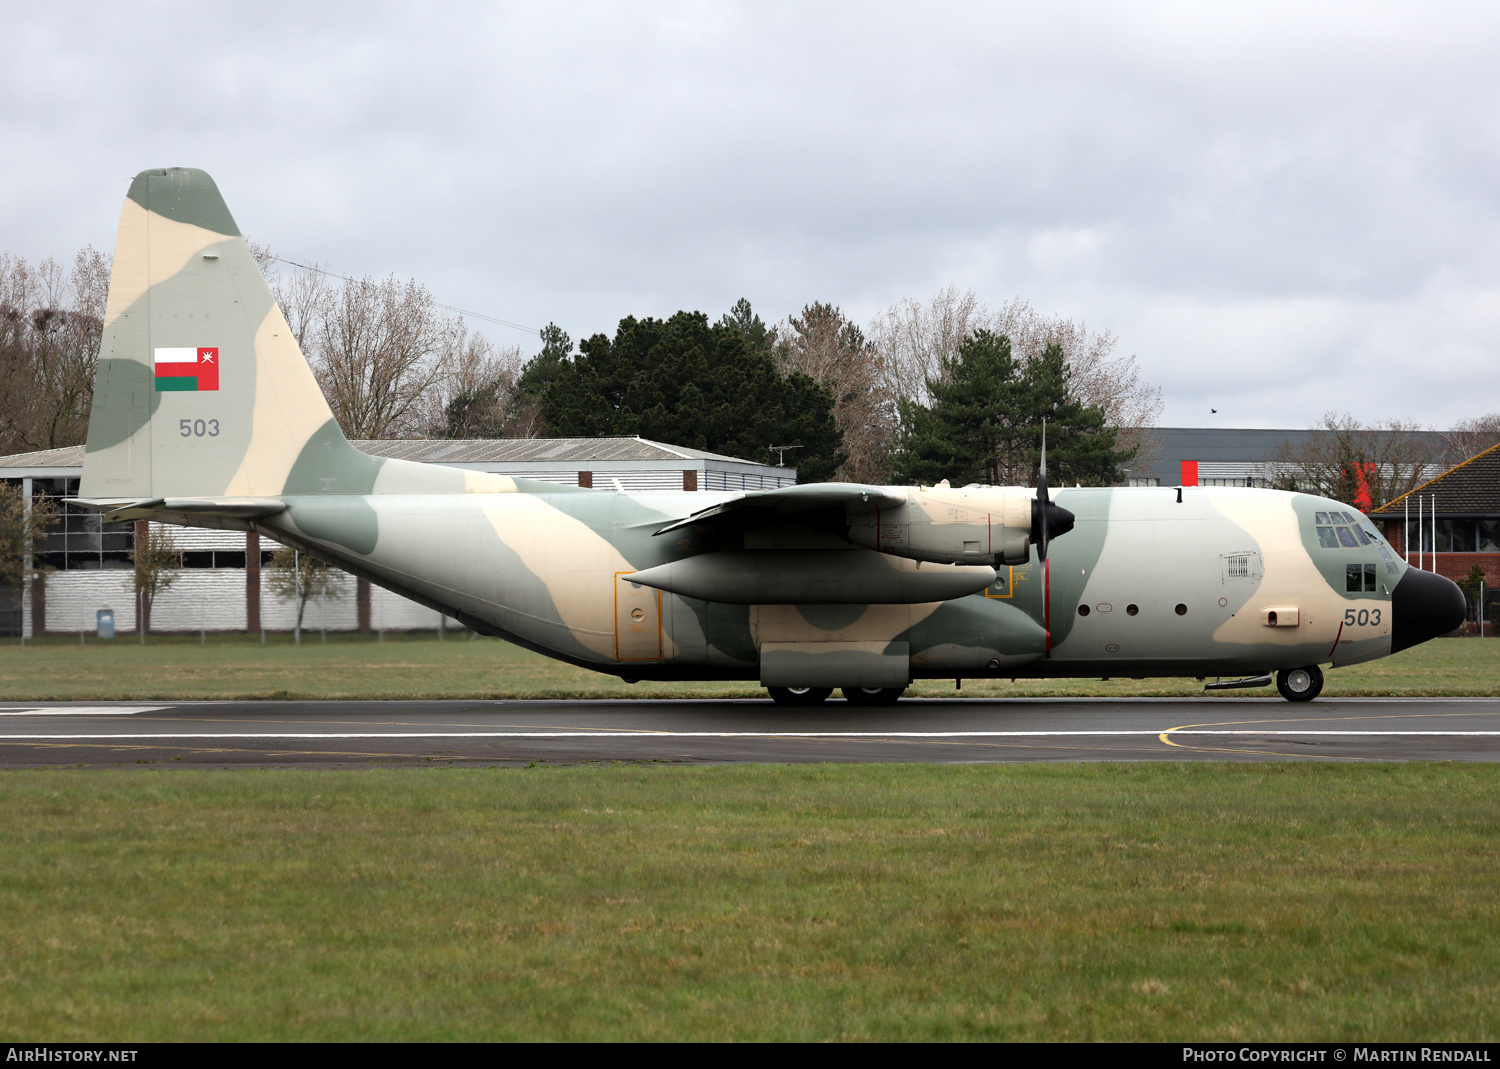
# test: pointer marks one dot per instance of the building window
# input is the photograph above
(78, 540)
(1462, 535)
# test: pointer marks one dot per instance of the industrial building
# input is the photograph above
(1235, 456)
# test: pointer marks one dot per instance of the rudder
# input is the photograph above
(201, 389)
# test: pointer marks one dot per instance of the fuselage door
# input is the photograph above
(637, 620)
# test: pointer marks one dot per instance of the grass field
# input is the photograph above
(890, 902)
(420, 666)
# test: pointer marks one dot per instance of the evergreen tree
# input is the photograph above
(985, 422)
(542, 368)
(686, 382)
(1080, 447)
(750, 326)
(969, 432)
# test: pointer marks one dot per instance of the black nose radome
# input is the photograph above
(1424, 605)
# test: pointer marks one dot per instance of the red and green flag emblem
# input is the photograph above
(194, 370)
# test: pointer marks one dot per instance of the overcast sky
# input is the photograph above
(1280, 209)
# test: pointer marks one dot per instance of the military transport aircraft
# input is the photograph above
(206, 414)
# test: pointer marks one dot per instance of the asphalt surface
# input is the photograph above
(328, 734)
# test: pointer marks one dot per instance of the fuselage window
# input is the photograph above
(1327, 539)
(1353, 578)
(1369, 578)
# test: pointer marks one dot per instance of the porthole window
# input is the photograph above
(1181, 609)
(1083, 610)
(1131, 610)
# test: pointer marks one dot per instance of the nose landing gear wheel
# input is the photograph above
(1300, 684)
(873, 695)
(799, 695)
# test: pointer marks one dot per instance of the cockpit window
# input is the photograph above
(1326, 538)
(1320, 517)
(1346, 537)
(1359, 533)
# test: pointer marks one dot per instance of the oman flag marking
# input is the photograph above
(194, 370)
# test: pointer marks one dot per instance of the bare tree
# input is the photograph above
(304, 295)
(1363, 464)
(51, 322)
(476, 395)
(299, 578)
(1470, 437)
(21, 524)
(393, 363)
(824, 345)
(158, 559)
(376, 352)
(916, 339)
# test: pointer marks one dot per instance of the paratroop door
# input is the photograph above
(637, 620)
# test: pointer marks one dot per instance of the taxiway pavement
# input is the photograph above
(322, 734)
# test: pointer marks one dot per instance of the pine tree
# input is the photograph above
(985, 422)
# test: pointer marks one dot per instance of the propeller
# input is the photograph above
(1048, 521)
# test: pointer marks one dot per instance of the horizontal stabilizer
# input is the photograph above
(229, 508)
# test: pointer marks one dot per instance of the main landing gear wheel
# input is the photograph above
(873, 695)
(1300, 684)
(799, 695)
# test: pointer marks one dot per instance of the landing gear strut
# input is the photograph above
(1300, 684)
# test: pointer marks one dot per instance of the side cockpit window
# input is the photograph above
(1359, 578)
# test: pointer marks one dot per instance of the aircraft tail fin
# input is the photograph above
(202, 391)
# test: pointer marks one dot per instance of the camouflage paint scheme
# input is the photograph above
(550, 567)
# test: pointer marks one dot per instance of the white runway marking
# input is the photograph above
(86, 710)
(653, 734)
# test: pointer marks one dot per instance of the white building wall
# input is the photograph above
(206, 599)
(392, 612)
(335, 613)
(74, 599)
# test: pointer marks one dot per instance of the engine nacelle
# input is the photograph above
(946, 526)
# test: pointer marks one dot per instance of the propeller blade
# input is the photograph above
(1048, 521)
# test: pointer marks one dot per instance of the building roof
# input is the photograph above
(69, 456)
(1472, 488)
(531, 450)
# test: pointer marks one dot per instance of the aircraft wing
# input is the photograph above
(790, 500)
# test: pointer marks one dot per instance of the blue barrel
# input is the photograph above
(106, 623)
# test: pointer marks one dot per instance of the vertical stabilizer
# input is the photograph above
(201, 390)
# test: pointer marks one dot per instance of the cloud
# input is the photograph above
(1283, 195)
